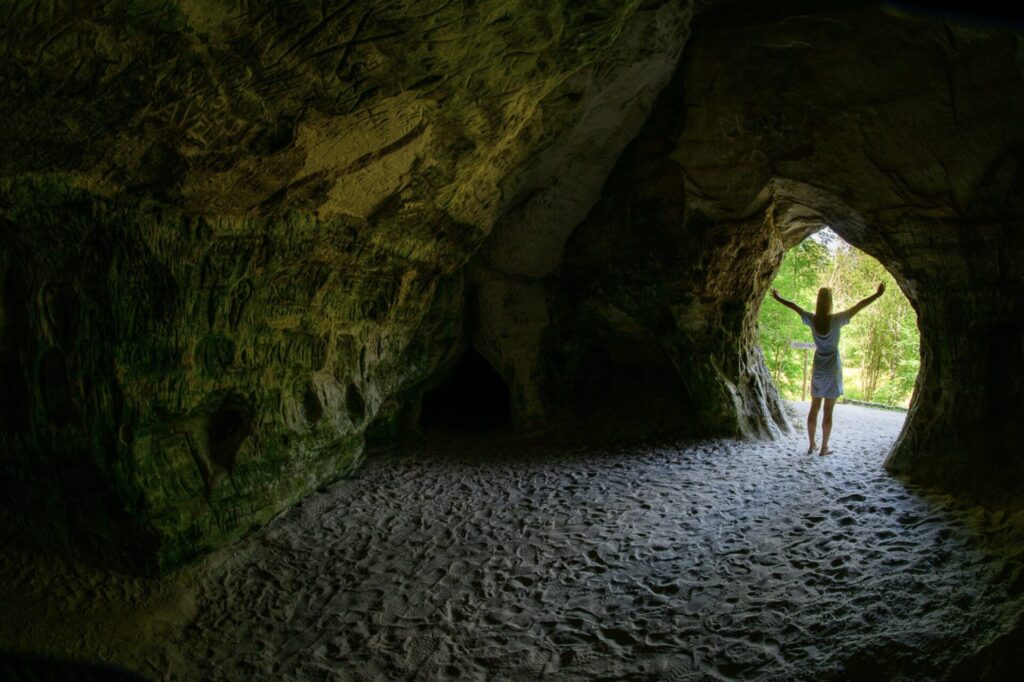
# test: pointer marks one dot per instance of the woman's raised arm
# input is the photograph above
(866, 302)
(789, 304)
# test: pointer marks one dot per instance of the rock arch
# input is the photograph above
(920, 167)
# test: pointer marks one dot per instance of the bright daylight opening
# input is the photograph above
(879, 349)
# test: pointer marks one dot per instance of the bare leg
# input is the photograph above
(826, 424)
(812, 423)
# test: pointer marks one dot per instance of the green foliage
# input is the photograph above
(879, 349)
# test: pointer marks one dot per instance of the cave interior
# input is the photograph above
(247, 246)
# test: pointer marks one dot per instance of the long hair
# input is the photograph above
(823, 311)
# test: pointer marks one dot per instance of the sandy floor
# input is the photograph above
(714, 559)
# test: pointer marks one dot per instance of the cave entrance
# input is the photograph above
(880, 349)
(471, 398)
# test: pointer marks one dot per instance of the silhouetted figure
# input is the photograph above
(827, 375)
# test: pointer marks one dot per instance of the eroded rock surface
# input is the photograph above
(235, 236)
(242, 240)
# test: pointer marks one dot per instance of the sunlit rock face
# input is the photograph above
(235, 237)
(240, 241)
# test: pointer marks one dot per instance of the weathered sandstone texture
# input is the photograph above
(241, 240)
(235, 237)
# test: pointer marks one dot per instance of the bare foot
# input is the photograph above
(825, 451)
(810, 450)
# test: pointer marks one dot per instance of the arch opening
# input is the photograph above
(471, 398)
(880, 350)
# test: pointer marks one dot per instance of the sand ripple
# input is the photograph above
(713, 559)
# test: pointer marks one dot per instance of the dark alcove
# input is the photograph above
(311, 405)
(228, 426)
(471, 398)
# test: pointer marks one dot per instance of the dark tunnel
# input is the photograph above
(472, 398)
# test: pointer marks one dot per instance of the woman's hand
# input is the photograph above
(881, 289)
(775, 295)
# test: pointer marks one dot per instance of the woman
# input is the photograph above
(827, 377)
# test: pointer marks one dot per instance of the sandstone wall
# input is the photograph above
(241, 240)
(236, 236)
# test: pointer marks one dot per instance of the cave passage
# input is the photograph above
(472, 398)
(880, 348)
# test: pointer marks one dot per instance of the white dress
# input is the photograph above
(827, 377)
